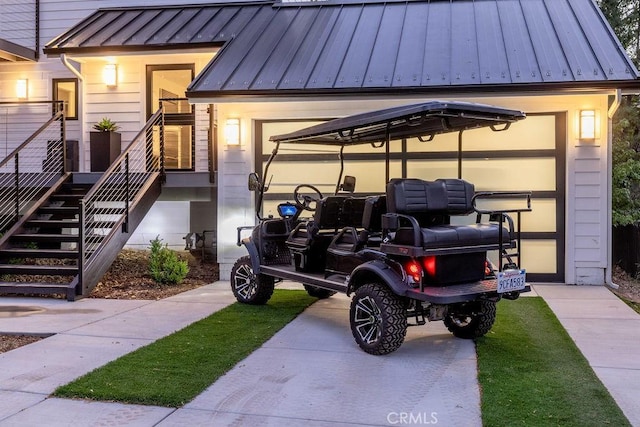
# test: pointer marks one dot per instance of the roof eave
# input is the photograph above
(529, 88)
(17, 52)
(127, 50)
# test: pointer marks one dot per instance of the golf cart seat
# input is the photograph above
(419, 215)
(308, 241)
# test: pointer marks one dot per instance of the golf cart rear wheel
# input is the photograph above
(318, 292)
(471, 320)
(378, 319)
(248, 287)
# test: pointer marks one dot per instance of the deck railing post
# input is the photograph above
(162, 174)
(125, 224)
(17, 182)
(81, 245)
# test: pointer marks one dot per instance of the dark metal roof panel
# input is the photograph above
(601, 43)
(577, 49)
(147, 28)
(411, 47)
(464, 45)
(370, 46)
(436, 69)
(523, 65)
(492, 57)
(552, 62)
(334, 51)
(381, 64)
(352, 71)
(312, 43)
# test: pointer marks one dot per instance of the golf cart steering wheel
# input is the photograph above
(304, 201)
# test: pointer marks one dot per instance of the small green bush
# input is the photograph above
(164, 264)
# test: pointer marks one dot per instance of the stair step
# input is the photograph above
(38, 237)
(38, 253)
(33, 288)
(63, 210)
(67, 196)
(53, 223)
(49, 270)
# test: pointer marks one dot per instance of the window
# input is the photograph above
(66, 90)
(167, 84)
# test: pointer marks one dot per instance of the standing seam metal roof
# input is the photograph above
(372, 47)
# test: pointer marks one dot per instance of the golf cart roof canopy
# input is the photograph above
(422, 121)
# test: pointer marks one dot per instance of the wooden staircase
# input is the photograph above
(61, 231)
(41, 255)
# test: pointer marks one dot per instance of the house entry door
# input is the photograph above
(167, 84)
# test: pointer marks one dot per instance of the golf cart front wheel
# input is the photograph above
(248, 287)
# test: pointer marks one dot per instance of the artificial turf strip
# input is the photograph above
(532, 374)
(173, 370)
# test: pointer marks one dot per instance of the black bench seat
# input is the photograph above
(419, 216)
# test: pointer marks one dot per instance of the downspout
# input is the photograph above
(81, 148)
(610, 113)
(71, 68)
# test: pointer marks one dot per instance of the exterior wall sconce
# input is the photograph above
(110, 75)
(588, 125)
(232, 132)
(22, 89)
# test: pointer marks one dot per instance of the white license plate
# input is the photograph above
(511, 280)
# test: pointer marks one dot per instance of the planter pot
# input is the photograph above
(104, 148)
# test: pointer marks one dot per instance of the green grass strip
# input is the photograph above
(173, 370)
(532, 374)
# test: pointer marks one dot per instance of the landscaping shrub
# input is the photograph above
(164, 264)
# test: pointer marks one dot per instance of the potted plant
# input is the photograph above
(104, 144)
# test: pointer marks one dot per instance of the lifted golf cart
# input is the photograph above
(397, 251)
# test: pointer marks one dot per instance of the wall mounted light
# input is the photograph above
(22, 89)
(588, 124)
(232, 132)
(110, 75)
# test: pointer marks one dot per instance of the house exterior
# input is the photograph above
(269, 67)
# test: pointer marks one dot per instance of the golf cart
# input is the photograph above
(398, 252)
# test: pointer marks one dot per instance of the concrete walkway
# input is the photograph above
(311, 373)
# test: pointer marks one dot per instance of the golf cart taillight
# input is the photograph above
(487, 268)
(414, 270)
(429, 264)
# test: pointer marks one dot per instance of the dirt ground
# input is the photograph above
(629, 287)
(128, 278)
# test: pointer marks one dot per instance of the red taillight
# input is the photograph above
(429, 264)
(487, 268)
(414, 270)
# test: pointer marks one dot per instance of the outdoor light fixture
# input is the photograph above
(232, 132)
(22, 88)
(110, 75)
(588, 124)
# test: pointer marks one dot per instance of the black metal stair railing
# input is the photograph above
(31, 167)
(105, 209)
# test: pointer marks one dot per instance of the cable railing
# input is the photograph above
(32, 167)
(109, 202)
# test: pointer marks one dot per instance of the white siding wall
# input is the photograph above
(587, 180)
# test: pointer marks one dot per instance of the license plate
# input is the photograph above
(511, 280)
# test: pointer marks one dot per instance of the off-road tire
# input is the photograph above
(378, 319)
(471, 320)
(319, 293)
(248, 287)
